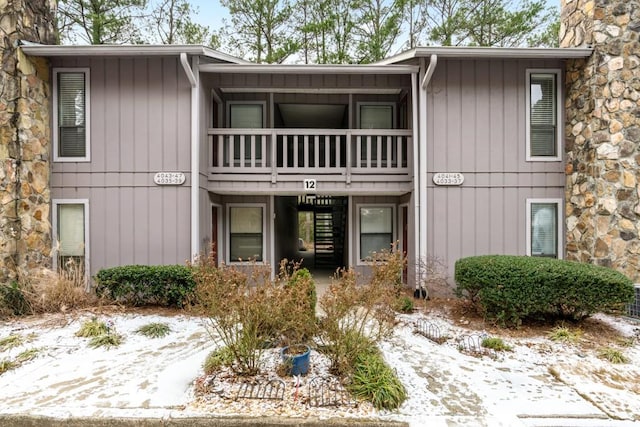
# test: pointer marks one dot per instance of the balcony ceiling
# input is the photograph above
(314, 116)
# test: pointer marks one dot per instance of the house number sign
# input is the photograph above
(448, 178)
(169, 178)
(309, 185)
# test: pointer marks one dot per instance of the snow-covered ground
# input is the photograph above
(145, 377)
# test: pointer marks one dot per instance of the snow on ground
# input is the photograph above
(147, 377)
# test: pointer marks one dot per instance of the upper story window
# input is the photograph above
(71, 115)
(544, 115)
(376, 115)
(544, 228)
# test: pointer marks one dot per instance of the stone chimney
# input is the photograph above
(25, 140)
(602, 136)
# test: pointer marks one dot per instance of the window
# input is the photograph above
(376, 116)
(543, 115)
(71, 232)
(544, 228)
(246, 115)
(376, 229)
(71, 115)
(245, 233)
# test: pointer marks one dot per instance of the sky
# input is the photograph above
(211, 12)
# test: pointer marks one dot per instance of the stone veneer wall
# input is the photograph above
(25, 230)
(602, 141)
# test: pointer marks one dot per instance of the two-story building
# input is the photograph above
(159, 151)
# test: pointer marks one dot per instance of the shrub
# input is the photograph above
(52, 291)
(154, 330)
(166, 285)
(13, 300)
(244, 311)
(356, 315)
(302, 278)
(512, 288)
(376, 382)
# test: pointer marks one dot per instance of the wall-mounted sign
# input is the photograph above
(309, 185)
(448, 178)
(169, 178)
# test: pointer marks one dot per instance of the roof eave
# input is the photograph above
(489, 52)
(126, 50)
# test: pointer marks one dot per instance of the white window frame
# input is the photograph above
(55, 130)
(263, 104)
(559, 222)
(54, 222)
(394, 226)
(227, 234)
(359, 104)
(559, 110)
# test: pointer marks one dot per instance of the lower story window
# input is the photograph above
(246, 233)
(543, 227)
(71, 231)
(376, 230)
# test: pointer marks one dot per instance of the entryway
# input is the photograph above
(312, 229)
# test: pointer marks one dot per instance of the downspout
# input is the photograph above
(426, 78)
(416, 184)
(195, 153)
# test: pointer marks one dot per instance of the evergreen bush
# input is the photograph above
(165, 285)
(511, 288)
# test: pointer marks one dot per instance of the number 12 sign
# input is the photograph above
(310, 185)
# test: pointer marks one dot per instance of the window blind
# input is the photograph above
(71, 114)
(543, 115)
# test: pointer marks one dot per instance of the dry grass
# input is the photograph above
(49, 291)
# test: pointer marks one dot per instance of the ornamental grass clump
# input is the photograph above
(101, 334)
(612, 355)
(92, 328)
(373, 380)
(154, 330)
(495, 343)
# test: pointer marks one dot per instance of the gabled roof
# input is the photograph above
(460, 52)
(36, 49)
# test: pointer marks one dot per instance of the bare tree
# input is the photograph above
(100, 21)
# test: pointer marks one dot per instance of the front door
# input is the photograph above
(405, 239)
(214, 233)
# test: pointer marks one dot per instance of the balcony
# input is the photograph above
(339, 156)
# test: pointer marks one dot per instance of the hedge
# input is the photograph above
(166, 285)
(511, 288)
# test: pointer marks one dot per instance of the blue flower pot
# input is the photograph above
(299, 363)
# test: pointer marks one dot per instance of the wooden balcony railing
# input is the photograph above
(309, 151)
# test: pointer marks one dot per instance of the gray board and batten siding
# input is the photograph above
(140, 125)
(477, 126)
